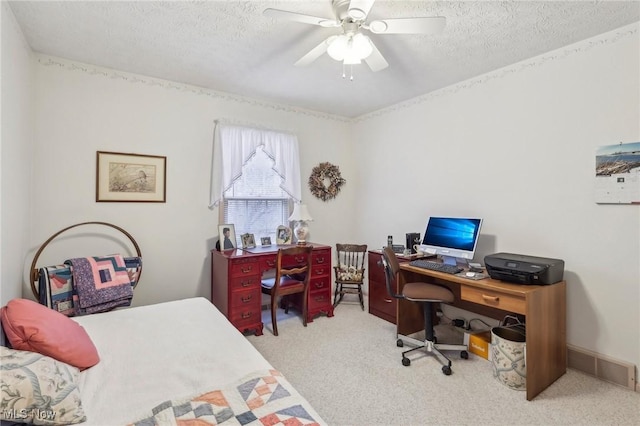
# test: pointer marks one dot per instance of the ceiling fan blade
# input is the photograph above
(314, 53)
(376, 61)
(426, 25)
(359, 9)
(299, 17)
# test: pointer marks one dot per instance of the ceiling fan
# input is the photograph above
(353, 45)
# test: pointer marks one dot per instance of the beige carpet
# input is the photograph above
(349, 368)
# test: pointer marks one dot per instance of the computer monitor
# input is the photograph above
(452, 238)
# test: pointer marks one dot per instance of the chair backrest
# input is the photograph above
(294, 262)
(351, 261)
(391, 269)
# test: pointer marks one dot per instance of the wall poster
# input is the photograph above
(618, 174)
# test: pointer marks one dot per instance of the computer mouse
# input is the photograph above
(470, 274)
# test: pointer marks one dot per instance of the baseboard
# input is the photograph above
(606, 368)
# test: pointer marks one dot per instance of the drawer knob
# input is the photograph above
(246, 271)
(245, 283)
(247, 299)
(320, 259)
(388, 300)
(247, 315)
(494, 299)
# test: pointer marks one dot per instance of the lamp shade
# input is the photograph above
(300, 213)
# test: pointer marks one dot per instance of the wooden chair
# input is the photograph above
(293, 271)
(349, 271)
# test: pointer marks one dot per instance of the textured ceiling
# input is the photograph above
(230, 46)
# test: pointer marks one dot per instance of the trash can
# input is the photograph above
(508, 356)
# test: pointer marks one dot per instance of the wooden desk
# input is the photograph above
(543, 306)
(236, 277)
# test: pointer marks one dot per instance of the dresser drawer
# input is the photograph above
(244, 283)
(247, 298)
(495, 299)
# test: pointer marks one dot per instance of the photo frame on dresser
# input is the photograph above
(265, 241)
(248, 241)
(227, 236)
(283, 235)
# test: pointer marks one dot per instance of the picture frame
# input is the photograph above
(283, 235)
(122, 177)
(265, 241)
(231, 243)
(248, 241)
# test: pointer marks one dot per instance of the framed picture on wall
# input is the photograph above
(130, 177)
(227, 233)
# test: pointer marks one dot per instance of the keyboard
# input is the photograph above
(436, 266)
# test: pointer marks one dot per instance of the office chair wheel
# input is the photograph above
(446, 370)
(399, 343)
(464, 355)
(407, 362)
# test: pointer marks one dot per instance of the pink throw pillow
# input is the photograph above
(30, 326)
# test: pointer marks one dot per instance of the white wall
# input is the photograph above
(81, 109)
(517, 148)
(15, 154)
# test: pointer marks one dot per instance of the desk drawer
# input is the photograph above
(244, 267)
(321, 257)
(249, 298)
(319, 300)
(495, 299)
(245, 283)
(267, 263)
(376, 269)
(246, 316)
(320, 284)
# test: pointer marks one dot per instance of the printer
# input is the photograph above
(523, 269)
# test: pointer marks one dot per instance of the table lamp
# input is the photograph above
(301, 216)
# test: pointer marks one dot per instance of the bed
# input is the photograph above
(162, 353)
(166, 363)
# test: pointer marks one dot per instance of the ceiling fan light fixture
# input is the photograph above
(338, 47)
(351, 49)
(361, 46)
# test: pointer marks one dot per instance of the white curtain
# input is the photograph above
(233, 146)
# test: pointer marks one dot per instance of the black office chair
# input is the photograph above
(426, 294)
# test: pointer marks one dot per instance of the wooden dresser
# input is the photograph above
(236, 284)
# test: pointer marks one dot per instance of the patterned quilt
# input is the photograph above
(100, 283)
(259, 399)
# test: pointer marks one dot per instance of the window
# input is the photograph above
(255, 203)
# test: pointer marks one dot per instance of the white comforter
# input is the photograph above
(151, 354)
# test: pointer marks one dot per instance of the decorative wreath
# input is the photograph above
(316, 181)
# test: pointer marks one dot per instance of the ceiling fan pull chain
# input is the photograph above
(344, 74)
(351, 72)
